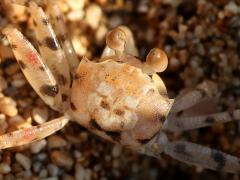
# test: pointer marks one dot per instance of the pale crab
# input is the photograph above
(118, 98)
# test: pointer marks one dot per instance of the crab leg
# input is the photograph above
(34, 69)
(34, 133)
(50, 49)
(190, 99)
(57, 20)
(176, 124)
(194, 154)
(204, 91)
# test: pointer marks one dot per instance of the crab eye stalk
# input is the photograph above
(157, 60)
(116, 40)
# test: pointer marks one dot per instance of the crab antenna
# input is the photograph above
(157, 60)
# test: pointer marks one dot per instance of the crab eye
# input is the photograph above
(157, 59)
(116, 39)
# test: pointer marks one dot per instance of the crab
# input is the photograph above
(118, 97)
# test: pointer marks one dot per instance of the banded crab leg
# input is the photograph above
(195, 154)
(191, 153)
(34, 133)
(59, 26)
(205, 90)
(178, 124)
(51, 51)
(35, 70)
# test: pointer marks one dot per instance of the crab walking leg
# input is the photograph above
(120, 40)
(194, 154)
(177, 124)
(57, 20)
(50, 49)
(34, 133)
(190, 99)
(34, 69)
